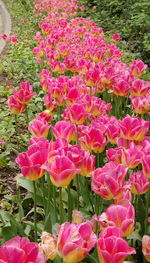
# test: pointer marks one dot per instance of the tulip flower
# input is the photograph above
(77, 114)
(137, 67)
(146, 165)
(48, 245)
(15, 106)
(112, 247)
(108, 180)
(146, 247)
(25, 94)
(116, 37)
(30, 162)
(77, 217)
(139, 184)
(122, 217)
(64, 129)
(133, 128)
(75, 241)
(94, 140)
(62, 170)
(21, 250)
(39, 128)
(131, 157)
(139, 87)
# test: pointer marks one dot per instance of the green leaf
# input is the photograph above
(25, 183)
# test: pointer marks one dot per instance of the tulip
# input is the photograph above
(39, 128)
(131, 157)
(25, 94)
(77, 217)
(48, 245)
(146, 247)
(62, 170)
(21, 250)
(122, 217)
(77, 114)
(112, 133)
(133, 128)
(75, 241)
(15, 106)
(139, 87)
(46, 115)
(30, 162)
(146, 165)
(139, 184)
(108, 180)
(94, 140)
(137, 67)
(116, 37)
(140, 104)
(87, 165)
(64, 129)
(112, 247)
(49, 103)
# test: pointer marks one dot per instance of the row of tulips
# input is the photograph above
(85, 132)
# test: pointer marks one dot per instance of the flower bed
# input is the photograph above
(87, 166)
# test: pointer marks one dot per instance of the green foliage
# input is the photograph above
(129, 18)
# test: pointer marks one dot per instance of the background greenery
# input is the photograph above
(129, 18)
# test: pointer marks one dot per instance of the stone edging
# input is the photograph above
(5, 22)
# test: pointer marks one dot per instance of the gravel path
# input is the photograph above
(5, 24)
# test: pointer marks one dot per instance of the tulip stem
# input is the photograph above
(60, 205)
(55, 203)
(27, 116)
(88, 191)
(147, 208)
(35, 214)
(69, 203)
(44, 200)
(78, 192)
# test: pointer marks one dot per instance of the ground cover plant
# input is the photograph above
(83, 191)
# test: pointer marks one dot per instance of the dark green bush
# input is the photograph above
(130, 18)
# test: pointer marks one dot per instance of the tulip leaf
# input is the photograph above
(141, 213)
(25, 183)
(135, 236)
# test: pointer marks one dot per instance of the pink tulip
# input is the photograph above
(139, 184)
(15, 106)
(39, 128)
(116, 37)
(45, 115)
(112, 133)
(131, 157)
(21, 250)
(122, 217)
(48, 245)
(75, 241)
(49, 103)
(62, 170)
(139, 87)
(87, 165)
(77, 114)
(112, 247)
(64, 129)
(77, 217)
(137, 67)
(146, 165)
(25, 94)
(146, 247)
(133, 128)
(108, 180)
(94, 140)
(140, 104)
(30, 162)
